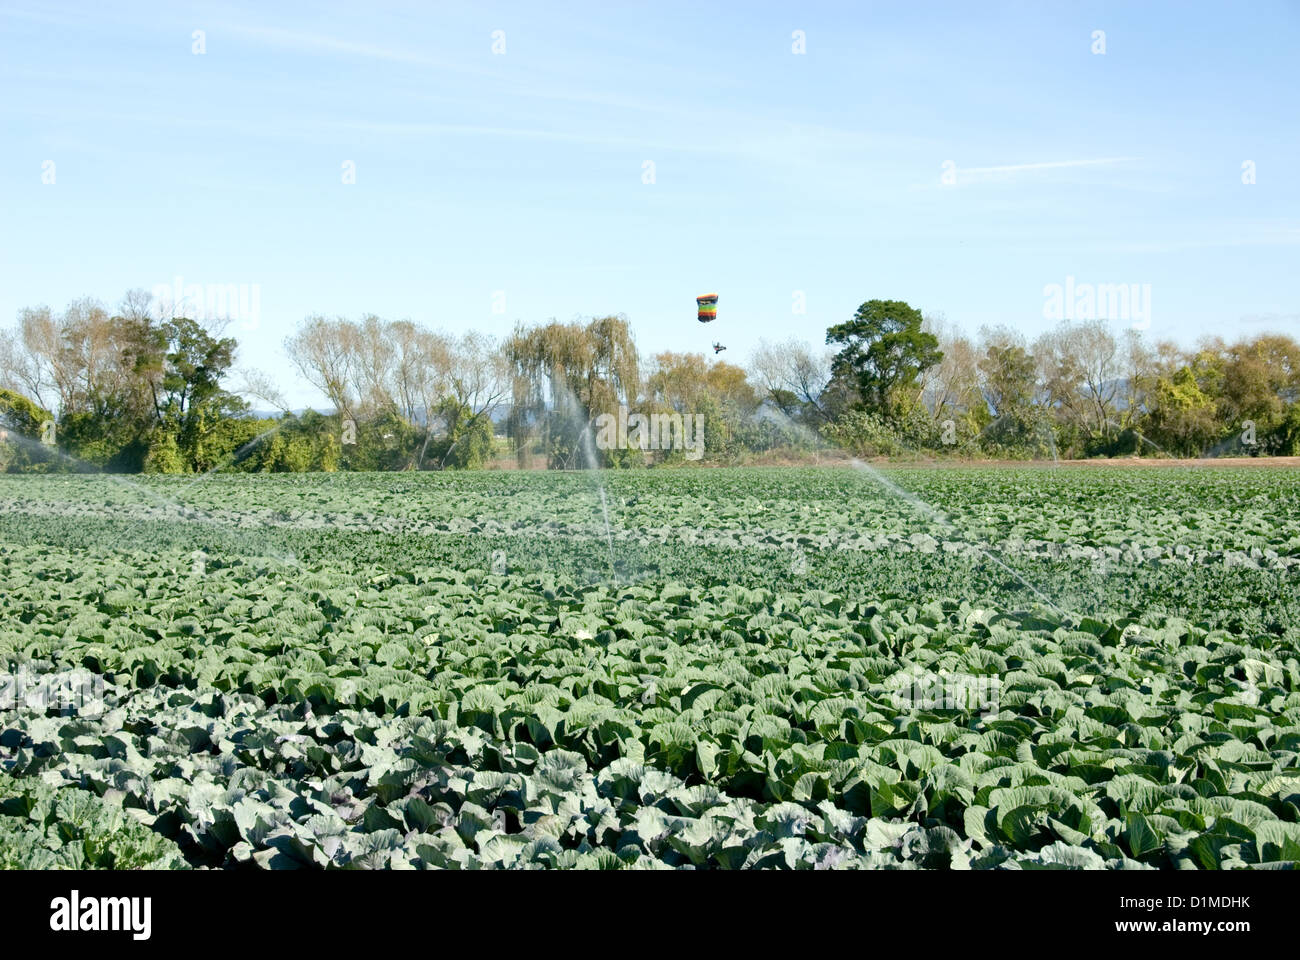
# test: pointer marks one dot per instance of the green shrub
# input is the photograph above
(164, 454)
(863, 434)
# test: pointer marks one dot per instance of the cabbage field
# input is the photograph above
(823, 668)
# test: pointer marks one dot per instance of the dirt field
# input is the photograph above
(838, 458)
(1116, 463)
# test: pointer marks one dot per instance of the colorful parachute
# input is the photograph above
(708, 307)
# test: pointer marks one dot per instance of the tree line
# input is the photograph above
(132, 390)
(895, 382)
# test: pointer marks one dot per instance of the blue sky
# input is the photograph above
(774, 172)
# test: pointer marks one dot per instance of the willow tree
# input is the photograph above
(564, 375)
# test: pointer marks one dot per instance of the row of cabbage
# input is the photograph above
(1201, 510)
(322, 715)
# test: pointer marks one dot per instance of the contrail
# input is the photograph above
(1047, 165)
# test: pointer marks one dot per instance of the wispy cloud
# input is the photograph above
(1048, 165)
(419, 129)
(948, 175)
(322, 44)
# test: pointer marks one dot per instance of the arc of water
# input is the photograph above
(149, 493)
(1043, 431)
(937, 515)
(1182, 461)
(565, 396)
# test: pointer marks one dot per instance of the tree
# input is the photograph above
(1009, 381)
(80, 361)
(1184, 419)
(376, 369)
(97, 371)
(1082, 368)
(467, 443)
(384, 442)
(563, 375)
(322, 351)
(1008, 375)
(864, 434)
(190, 400)
(22, 424)
(793, 378)
(1261, 380)
(883, 350)
(163, 456)
(949, 391)
(292, 444)
(690, 385)
(951, 387)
